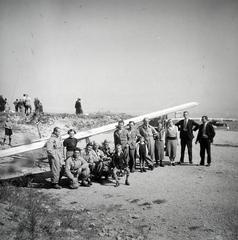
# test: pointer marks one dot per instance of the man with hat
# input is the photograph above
(78, 106)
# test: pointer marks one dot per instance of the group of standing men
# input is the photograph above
(145, 143)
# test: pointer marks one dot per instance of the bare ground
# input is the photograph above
(181, 202)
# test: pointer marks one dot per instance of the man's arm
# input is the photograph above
(50, 147)
(67, 169)
(196, 125)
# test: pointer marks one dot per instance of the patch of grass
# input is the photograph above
(36, 216)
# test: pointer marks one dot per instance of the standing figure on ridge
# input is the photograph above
(78, 106)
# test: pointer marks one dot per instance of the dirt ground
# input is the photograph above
(182, 202)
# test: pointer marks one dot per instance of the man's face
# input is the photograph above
(131, 124)
(185, 114)
(204, 119)
(146, 121)
(89, 148)
(118, 148)
(120, 125)
(160, 125)
(77, 153)
(57, 132)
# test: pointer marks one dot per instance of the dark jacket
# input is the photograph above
(191, 126)
(209, 131)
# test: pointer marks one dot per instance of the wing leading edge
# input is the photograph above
(88, 133)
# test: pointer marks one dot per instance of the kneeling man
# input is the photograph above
(77, 168)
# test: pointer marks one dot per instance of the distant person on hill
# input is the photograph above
(186, 127)
(21, 107)
(78, 106)
(38, 106)
(27, 104)
(54, 148)
(205, 136)
(2, 104)
(15, 103)
(8, 130)
(7, 106)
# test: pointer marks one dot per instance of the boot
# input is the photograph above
(127, 182)
(117, 184)
(56, 186)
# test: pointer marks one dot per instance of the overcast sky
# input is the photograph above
(133, 56)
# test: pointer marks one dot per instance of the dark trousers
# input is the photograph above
(132, 159)
(205, 145)
(186, 142)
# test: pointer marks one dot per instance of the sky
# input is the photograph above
(132, 56)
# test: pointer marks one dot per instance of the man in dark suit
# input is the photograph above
(186, 128)
(205, 137)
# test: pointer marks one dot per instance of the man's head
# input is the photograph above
(71, 132)
(89, 147)
(146, 121)
(185, 114)
(118, 148)
(204, 119)
(106, 143)
(131, 124)
(142, 139)
(160, 125)
(95, 146)
(120, 124)
(170, 122)
(56, 131)
(77, 152)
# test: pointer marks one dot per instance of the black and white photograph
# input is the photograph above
(118, 119)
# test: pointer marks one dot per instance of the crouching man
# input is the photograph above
(120, 165)
(76, 168)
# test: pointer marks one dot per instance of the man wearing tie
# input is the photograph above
(186, 127)
(205, 136)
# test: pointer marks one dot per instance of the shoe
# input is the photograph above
(156, 165)
(127, 183)
(201, 164)
(208, 165)
(173, 164)
(90, 182)
(132, 170)
(144, 170)
(152, 168)
(56, 186)
(141, 170)
(117, 184)
(161, 165)
(85, 184)
(190, 162)
(180, 163)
